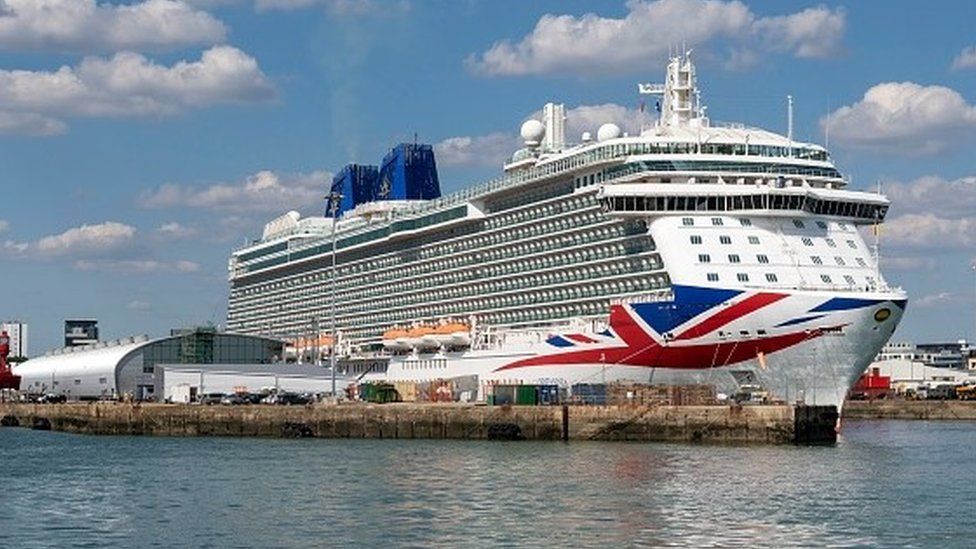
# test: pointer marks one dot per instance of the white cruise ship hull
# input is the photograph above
(801, 346)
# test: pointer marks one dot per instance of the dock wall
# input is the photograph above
(910, 409)
(722, 424)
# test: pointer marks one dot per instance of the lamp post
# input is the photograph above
(334, 198)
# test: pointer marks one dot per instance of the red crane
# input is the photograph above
(7, 378)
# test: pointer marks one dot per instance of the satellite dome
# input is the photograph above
(532, 132)
(608, 131)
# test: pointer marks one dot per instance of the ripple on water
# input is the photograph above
(884, 484)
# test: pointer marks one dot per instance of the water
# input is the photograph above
(884, 484)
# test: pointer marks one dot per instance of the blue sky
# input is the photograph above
(140, 141)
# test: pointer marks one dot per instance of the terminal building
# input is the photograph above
(126, 368)
(79, 332)
(17, 331)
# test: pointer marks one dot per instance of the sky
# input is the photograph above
(141, 141)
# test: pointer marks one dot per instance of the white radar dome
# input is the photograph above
(608, 131)
(532, 132)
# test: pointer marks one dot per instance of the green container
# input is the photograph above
(526, 395)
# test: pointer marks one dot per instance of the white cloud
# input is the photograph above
(262, 192)
(138, 305)
(966, 59)
(135, 266)
(87, 26)
(907, 263)
(492, 149)
(127, 85)
(184, 266)
(951, 198)
(593, 44)
(904, 118)
(928, 231)
(4, 225)
(496, 148)
(84, 241)
(175, 231)
(934, 300)
(813, 32)
(28, 123)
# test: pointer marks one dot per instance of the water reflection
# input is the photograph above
(885, 483)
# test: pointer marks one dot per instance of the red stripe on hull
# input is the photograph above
(730, 314)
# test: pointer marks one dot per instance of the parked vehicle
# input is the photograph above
(288, 399)
(942, 392)
(211, 398)
(233, 399)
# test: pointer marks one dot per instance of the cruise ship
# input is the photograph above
(686, 252)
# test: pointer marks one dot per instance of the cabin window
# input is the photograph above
(725, 239)
(753, 239)
(696, 239)
(816, 260)
(733, 258)
(825, 278)
(762, 258)
(704, 258)
(712, 277)
(798, 224)
(687, 221)
(807, 241)
(771, 277)
(717, 221)
(743, 277)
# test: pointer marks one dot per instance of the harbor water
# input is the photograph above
(885, 483)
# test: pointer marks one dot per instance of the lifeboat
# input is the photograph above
(454, 334)
(396, 340)
(425, 337)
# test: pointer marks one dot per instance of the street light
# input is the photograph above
(334, 198)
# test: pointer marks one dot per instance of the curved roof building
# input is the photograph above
(127, 366)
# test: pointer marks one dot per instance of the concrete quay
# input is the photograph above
(910, 409)
(774, 424)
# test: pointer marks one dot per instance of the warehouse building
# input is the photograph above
(182, 383)
(126, 368)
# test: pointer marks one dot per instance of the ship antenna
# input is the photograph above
(877, 242)
(789, 123)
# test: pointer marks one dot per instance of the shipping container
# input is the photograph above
(526, 395)
(549, 395)
(502, 394)
(590, 393)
